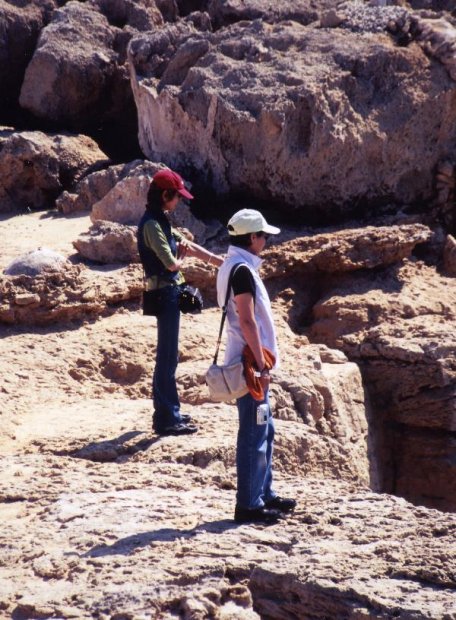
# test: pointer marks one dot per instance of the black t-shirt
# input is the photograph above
(243, 281)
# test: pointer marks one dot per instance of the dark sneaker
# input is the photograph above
(185, 418)
(256, 515)
(178, 429)
(281, 503)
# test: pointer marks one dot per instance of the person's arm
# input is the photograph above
(189, 248)
(249, 328)
(156, 240)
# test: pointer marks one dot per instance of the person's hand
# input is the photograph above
(182, 250)
(265, 380)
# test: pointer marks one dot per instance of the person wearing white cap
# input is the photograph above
(250, 322)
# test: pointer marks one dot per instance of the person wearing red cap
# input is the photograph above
(162, 250)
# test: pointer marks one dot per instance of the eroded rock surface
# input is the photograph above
(400, 326)
(77, 76)
(65, 295)
(95, 186)
(294, 114)
(90, 496)
(345, 250)
(224, 13)
(162, 512)
(108, 242)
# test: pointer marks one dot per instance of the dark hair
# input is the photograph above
(241, 241)
(156, 197)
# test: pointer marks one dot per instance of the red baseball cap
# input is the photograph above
(167, 179)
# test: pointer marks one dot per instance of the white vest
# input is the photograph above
(235, 341)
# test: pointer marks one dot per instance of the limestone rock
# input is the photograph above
(94, 187)
(290, 113)
(65, 295)
(108, 242)
(343, 553)
(36, 167)
(449, 256)
(373, 16)
(344, 250)
(142, 15)
(124, 203)
(36, 262)
(400, 328)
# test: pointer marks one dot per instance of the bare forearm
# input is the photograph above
(205, 255)
(251, 335)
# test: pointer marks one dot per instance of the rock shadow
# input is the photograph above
(110, 450)
(125, 546)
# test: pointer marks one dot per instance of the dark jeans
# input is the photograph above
(165, 397)
(254, 452)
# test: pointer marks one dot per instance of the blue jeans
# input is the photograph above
(254, 453)
(165, 397)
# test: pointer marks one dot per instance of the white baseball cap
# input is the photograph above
(250, 221)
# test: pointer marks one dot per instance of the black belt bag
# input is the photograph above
(190, 301)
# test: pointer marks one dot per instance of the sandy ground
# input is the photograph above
(46, 229)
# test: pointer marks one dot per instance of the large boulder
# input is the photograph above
(125, 204)
(73, 67)
(21, 24)
(307, 117)
(95, 186)
(35, 167)
(108, 242)
(77, 76)
(346, 250)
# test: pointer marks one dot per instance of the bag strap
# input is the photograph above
(225, 309)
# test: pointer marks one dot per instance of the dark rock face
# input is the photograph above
(73, 68)
(77, 76)
(21, 23)
(318, 120)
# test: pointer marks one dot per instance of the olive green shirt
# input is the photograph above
(156, 240)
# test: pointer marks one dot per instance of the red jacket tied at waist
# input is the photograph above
(250, 367)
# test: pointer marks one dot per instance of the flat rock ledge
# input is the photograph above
(345, 250)
(156, 540)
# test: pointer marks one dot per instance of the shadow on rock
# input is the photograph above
(111, 449)
(125, 546)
